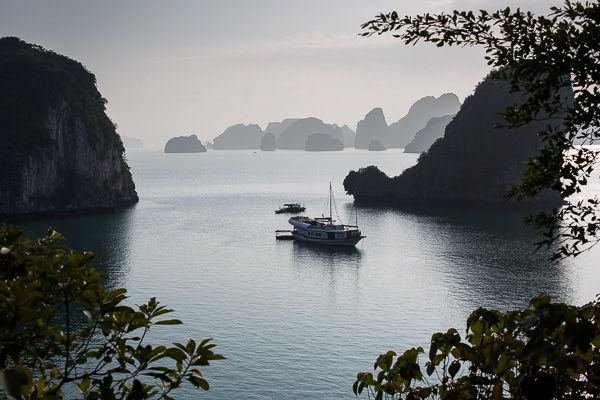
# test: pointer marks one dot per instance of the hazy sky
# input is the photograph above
(182, 67)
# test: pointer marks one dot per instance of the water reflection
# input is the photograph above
(475, 256)
(108, 235)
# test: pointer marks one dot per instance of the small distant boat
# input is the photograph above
(324, 230)
(291, 208)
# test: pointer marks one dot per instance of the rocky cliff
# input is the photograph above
(402, 132)
(268, 142)
(239, 137)
(322, 142)
(60, 153)
(294, 137)
(425, 137)
(277, 127)
(373, 127)
(185, 144)
(473, 164)
(132, 142)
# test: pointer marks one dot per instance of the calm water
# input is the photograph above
(299, 321)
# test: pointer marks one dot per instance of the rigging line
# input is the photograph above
(335, 206)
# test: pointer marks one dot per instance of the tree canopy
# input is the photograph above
(63, 332)
(550, 350)
(538, 55)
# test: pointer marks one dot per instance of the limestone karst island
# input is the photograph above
(61, 153)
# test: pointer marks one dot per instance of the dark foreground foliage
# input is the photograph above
(548, 351)
(62, 331)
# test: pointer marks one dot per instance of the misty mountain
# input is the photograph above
(268, 142)
(131, 143)
(239, 137)
(277, 127)
(349, 136)
(373, 127)
(474, 163)
(323, 142)
(184, 144)
(425, 137)
(294, 137)
(376, 145)
(402, 132)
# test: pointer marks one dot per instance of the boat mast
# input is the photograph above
(330, 205)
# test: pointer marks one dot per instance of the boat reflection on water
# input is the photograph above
(330, 258)
(323, 230)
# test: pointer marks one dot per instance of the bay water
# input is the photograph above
(299, 321)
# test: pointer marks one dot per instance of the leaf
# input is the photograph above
(169, 322)
(454, 368)
(198, 382)
(579, 334)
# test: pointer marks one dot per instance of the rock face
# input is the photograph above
(268, 142)
(296, 135)
(239, 137)
(373, 127)
(349, 136)
(185, 144)
(131, 143)
(425, 137)
(60, 153)
(277, 127)
(322, 142)
(376, 145)
(473, 164)
(402, 132)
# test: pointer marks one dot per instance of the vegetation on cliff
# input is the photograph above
(33, 78)
(473, 164)
(551, 350)
(61, 153)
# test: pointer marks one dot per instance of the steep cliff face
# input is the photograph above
(61, 154)
(402, 132)
(473, 164)
(373, 127)
(425, 137)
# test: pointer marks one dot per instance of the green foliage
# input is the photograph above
(548, 351)
(62, 330)
(539, 56)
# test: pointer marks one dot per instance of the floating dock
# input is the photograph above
(284, 235)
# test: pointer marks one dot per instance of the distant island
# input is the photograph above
(399, 134)
(289, 134)
(131, 143)
(376, 145)
(185, 144)
(323, 142)
(268, 142)
(60, 153)
(474, 163)
(433, 131)
(239, 137)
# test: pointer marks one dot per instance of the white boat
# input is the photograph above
(325, 230)
(291, 208)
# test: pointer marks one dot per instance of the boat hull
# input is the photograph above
(329, 242)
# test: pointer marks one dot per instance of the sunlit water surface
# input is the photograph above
(299, 321)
